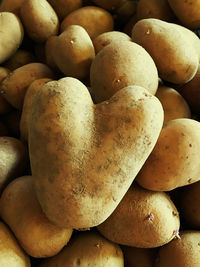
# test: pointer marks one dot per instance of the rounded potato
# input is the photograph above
(34, 232)
(174, 159)
(87, 249)
(173, 103)
(94, 20)
(14, 86)
(85, 156)
(11, 253)
(143, 219)
(172, 50)
(11, 36)
(122, 64)
(183, 252)
(39, 20)
(11, 6)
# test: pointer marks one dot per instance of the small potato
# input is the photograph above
(143, 219)
(5, 107)
(11, 6)
(87, 249)
(11, 35)
(34, 232)
(173, 103)
(32, 90)
(39, 20)
(181, 252)
(94, 20)
(11, 254)
(14, 86)
(174, 161)
(173, 51)
(107, 37)
(122, 64)
(13, 159)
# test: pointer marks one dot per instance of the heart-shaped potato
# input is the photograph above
(84, 157)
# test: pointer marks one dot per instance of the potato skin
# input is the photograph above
(5, 107)
(174, 159)
(71, 138)
(11, 253)
(119, 71)
(163, 38)
(87, 249)
(11, 6)
(110, 5)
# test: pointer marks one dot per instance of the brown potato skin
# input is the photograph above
(46, 239)
(174, 160)
(11, 6)
(94, 20)
(87, 249)
(119, 71)
(130, 223)
(110, 5)
(86, 144)
(11, 254)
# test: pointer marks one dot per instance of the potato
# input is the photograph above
(32, 90)
(84, 157)
(11, 253)
(158, 9)
(188, 12)
(87, 249)
(65, 7)
(174, 159)
(110, 5)
(11, 6)
(74, 52)
(49, 52)
(107, 37)
(183, 252)
(143, 219)
(14, 86)
(11, 35)
(94, 20)
(164, 40)
(121, 64)
(13, 159)
(46, 239)
(5, 107)
(39, 20)
(173, 103)
(125, 12)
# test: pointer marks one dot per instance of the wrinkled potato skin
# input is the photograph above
(87, 249)
(63, 146)
(94, 20)
(174, 159)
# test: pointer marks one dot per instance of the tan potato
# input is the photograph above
(183, 252)
(5, 107)
(143, 219)
(107, 37)
(87, 249)
(35, 233)
(14, 86)
(32, 90)
(74, 52)
(122, 64)
(11, 36)
(83, 156)
(174, 159)
(11, 6)
(11, 254)
(94, 20)
(173, 103)
(39, 20)
(172, 50)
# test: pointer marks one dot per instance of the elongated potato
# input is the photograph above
(174, 159)
(87, 249)
(122, 64)
(83, 156)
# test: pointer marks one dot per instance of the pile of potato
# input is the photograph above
(99, 133)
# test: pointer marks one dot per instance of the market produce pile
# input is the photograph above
(99, 133)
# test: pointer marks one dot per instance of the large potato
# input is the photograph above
(121, 64)
(143, 219)
(11, 35)
(87, 249)
(174, 161)
(83, 156)
(35, 233)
